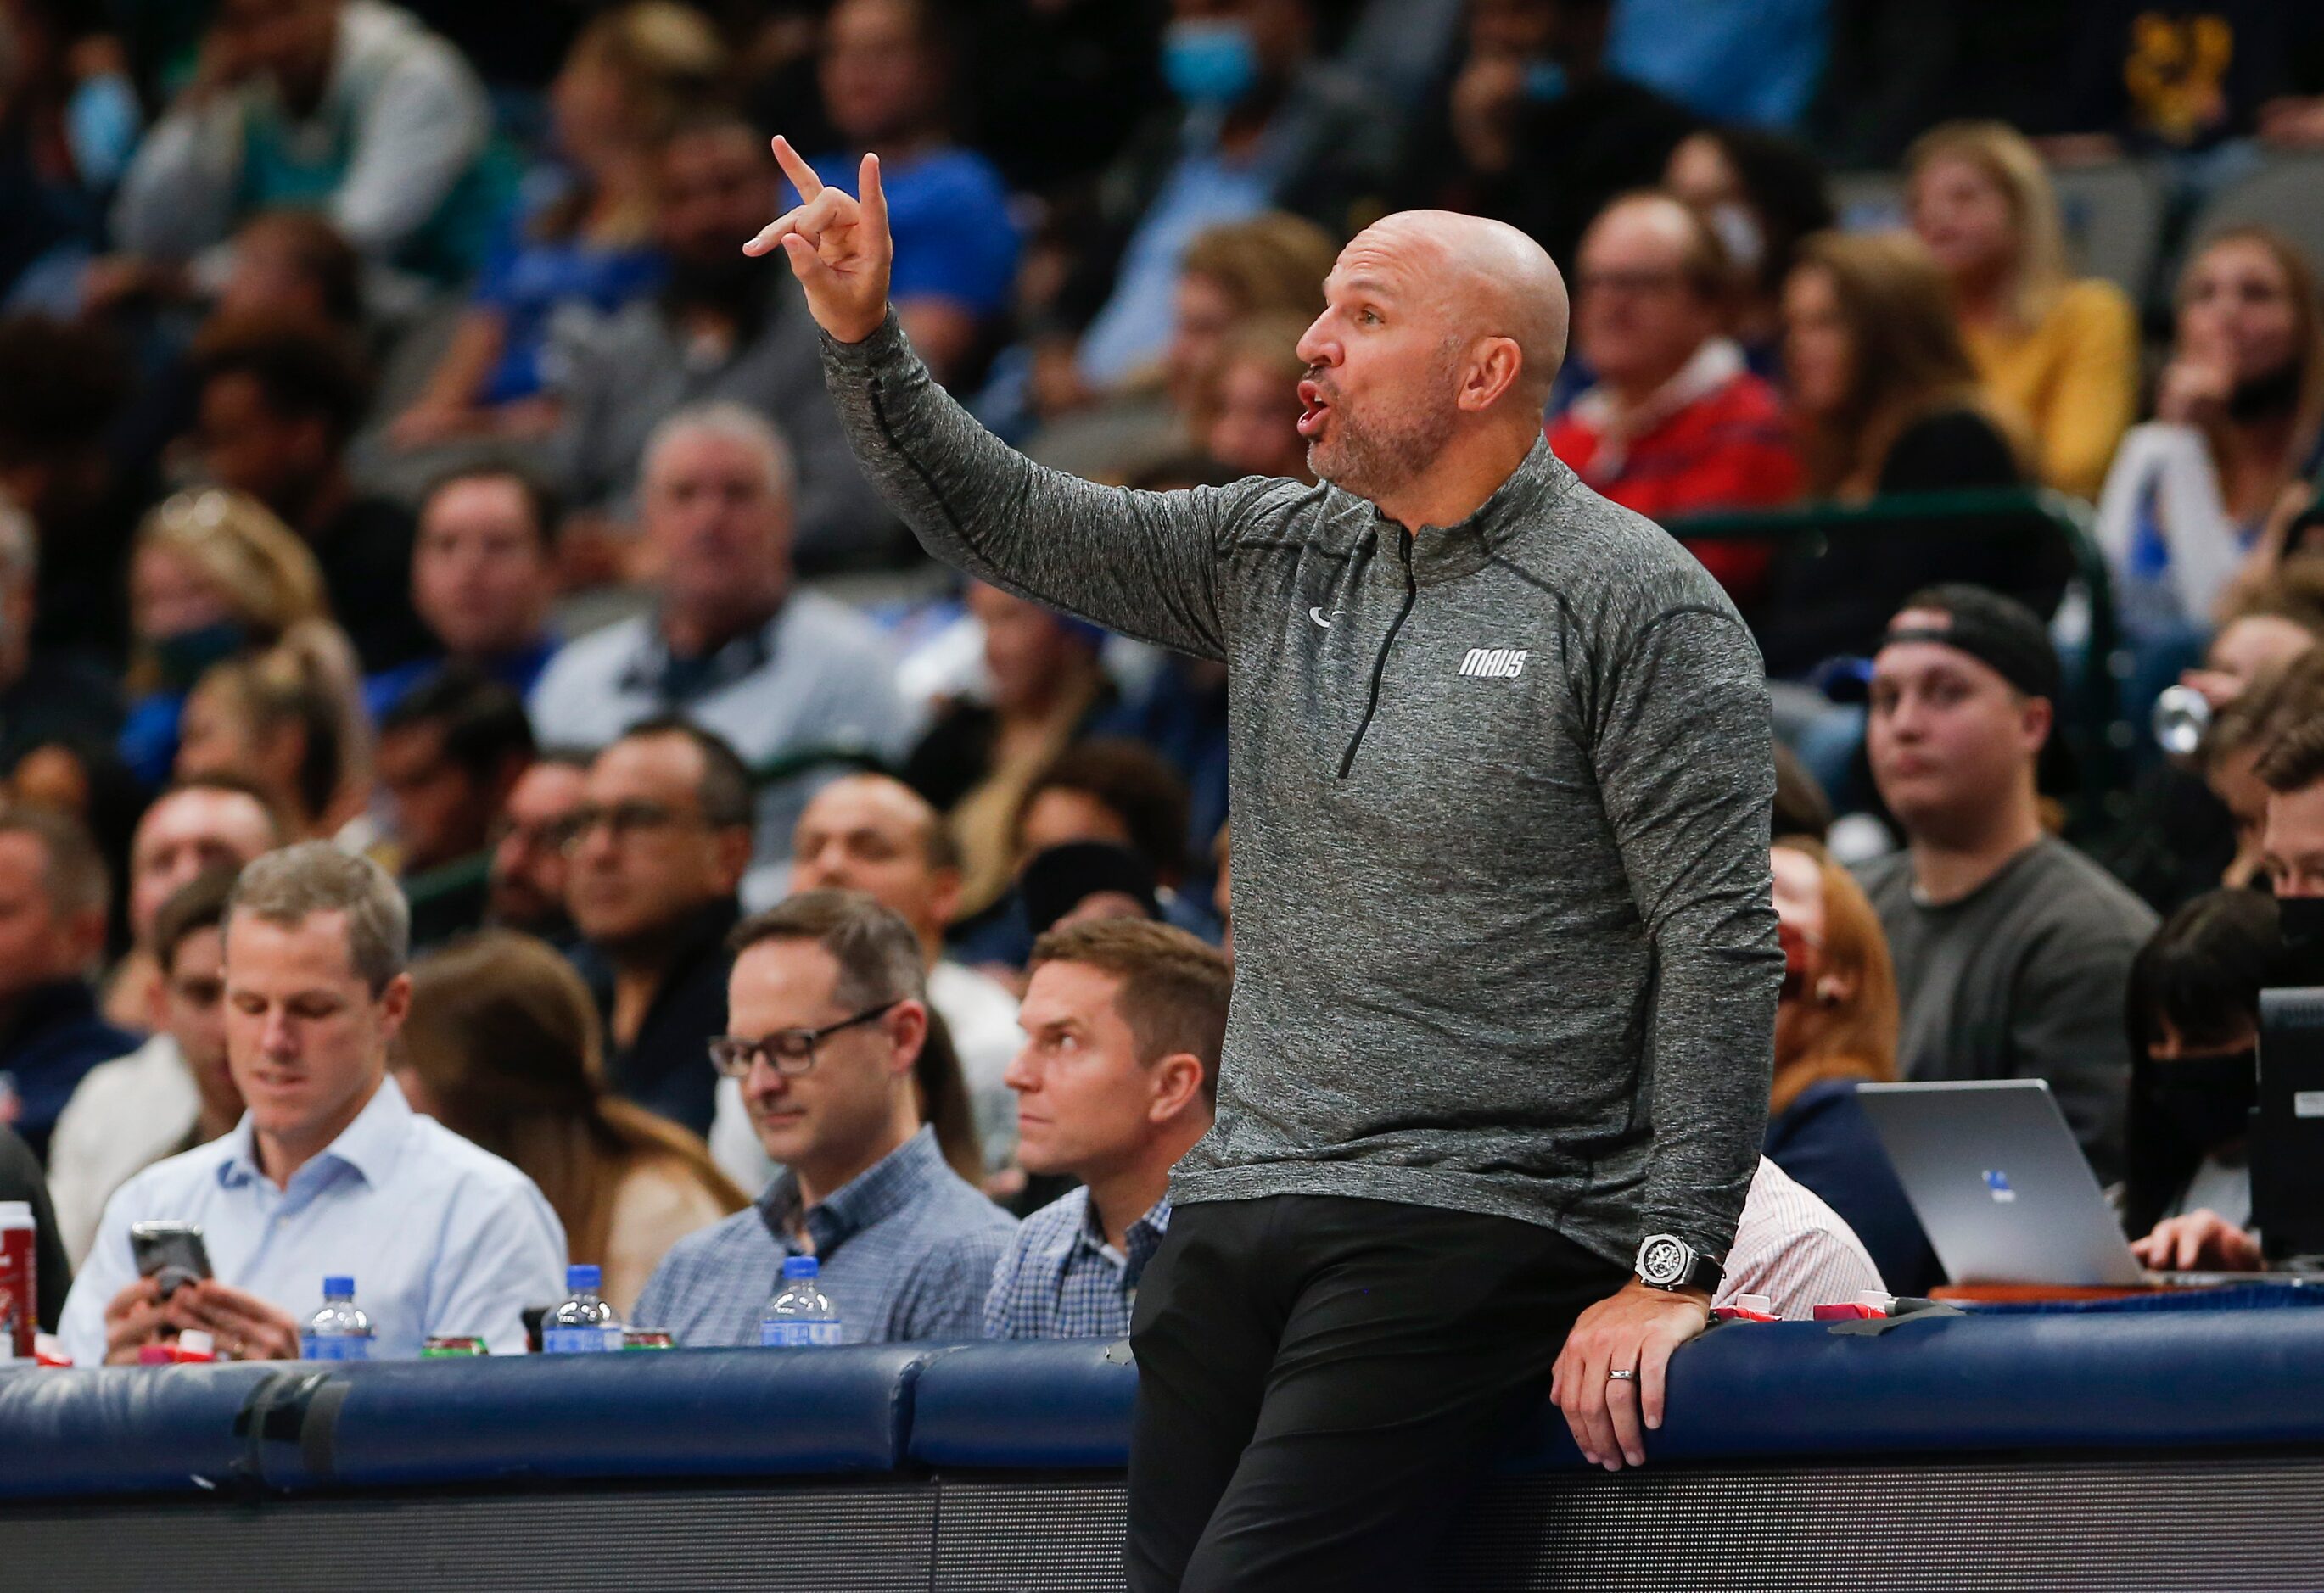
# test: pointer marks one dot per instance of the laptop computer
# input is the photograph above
(1998, 1184)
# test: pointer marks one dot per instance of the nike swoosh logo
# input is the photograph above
(1316, 614)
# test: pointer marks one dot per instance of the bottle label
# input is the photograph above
(793, 1333)
(590, 1340)
(334, 1346)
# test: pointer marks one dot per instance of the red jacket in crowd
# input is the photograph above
(1714, 437)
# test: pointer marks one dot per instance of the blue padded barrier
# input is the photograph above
(122, 1429)
(2175, 1380)
(1059, 1404)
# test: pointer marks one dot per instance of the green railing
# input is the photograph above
(2091, 717)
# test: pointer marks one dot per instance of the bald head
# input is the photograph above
(1654, 278)
(1490, 281)
(876, 835)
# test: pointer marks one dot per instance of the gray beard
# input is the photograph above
(1372, 459)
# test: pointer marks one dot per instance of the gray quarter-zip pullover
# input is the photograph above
(1504, 938)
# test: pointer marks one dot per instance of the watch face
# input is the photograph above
(1664, 1260)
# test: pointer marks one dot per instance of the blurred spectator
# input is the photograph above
(798, 683)
(658, 847)
(1836, 1028)
(279, 399)
(2194, 1079)
(1087, 882)
(291, 719)
(1055, 87)
(213, 576)
(501, 1047)
(1738, 60)
(2063, 352)
(1794, 1250)
(2011, 947)
(875, 835)
(192, 828)
(1802, 809)
(1762, 193)
(1534, 130)
(45, 695)
(449, 755)
(2178, 77)
(2291, 768)
(886, 85)
(330, 1171)
(1253, 409)
(19, 1180)
(2237, 411)
(1117, 1080)
(484, 580)
(1260, 124)
(52, 895)
(587, 250)
(1269, 264)
(65, 131)
(1886, 393)
(531, 840)
(724, 327)
(2273, 702)
(1675, 424)
(828, 1020)
(1044, 683)
(171, 1094)
(349, 106)
(61, 389)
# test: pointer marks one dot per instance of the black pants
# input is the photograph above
(1322, 1382)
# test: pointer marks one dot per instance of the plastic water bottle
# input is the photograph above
(340, 1330)
(800, 1312)
(584, 1324)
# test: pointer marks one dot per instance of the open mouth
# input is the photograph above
(1314, 406)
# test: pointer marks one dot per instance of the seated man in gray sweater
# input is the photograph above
(2012, 948)
(827, 1012)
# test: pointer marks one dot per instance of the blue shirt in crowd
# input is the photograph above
(949, 214)
(907, 1249)
(548, 292)
(440, 1235)
(1062, 1280)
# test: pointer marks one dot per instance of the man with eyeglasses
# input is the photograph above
(524, 890)
(654, 854)
(827, 1012)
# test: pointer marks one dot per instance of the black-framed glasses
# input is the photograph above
(625, 820)
(790, 1052)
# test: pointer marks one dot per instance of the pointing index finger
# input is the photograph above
(794, 167)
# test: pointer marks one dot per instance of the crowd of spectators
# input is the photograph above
(478, 761)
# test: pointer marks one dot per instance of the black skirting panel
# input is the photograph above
(2121, 1524)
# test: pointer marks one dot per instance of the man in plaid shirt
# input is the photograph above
(1124, 1020)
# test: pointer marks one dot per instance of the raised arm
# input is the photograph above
(1145, 564)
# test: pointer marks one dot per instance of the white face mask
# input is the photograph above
(1738, 230)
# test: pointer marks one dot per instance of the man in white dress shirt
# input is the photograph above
(329, 1171)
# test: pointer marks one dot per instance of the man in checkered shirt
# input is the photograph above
(1124, 1020)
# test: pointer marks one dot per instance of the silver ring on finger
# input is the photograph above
(1623, 1375)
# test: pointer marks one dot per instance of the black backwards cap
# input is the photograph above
(1999, 632)
(2009, 639)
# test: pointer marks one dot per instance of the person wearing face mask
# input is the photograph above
(2194, 1036)
(1258, 124)
(2237, 411)
(1836, 1028)
(1762, 193)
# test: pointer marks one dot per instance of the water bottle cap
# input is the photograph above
(797, 1266)
(338, 1286)
(15, 1213)
(583, 1275)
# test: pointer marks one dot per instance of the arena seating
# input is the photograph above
(2170, 1449)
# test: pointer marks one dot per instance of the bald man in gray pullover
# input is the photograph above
(1506, 957)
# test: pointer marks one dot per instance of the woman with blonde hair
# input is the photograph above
(502, 1046)
(213, 574)
(627, 80)
(292, 721)
(2189, 519)
(1884, 391)
(1836, 1028)
(2061, 352)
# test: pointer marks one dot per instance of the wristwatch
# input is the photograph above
(1666, 1261)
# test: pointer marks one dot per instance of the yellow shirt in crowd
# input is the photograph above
(2074, 378)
